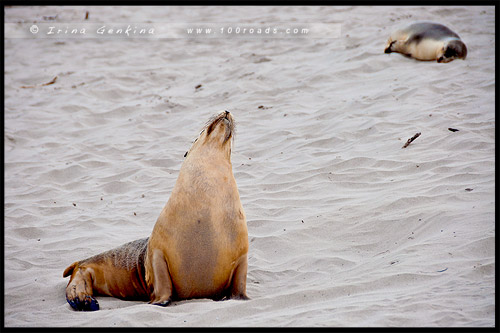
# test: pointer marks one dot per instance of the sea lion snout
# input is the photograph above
(228, 118)
(227, 115)
(225, 118)
(224, 115)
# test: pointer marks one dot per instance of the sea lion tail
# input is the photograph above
(68, 271)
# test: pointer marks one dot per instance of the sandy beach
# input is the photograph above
(345, 227)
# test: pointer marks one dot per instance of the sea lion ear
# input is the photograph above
(186, 154)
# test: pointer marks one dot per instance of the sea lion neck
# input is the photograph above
(210, 151)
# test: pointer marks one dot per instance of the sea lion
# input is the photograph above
(198, 247)
(199, 244)
(427, 41)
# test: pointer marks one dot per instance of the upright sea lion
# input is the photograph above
(199, 244)
(427, 41)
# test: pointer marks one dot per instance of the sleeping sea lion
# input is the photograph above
(427, 41)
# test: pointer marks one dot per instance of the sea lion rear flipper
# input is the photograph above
(388, 48)
(79, 293)
(69, 270)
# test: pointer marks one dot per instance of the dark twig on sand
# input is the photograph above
(410, 140)
(51, 82)
(43, 84)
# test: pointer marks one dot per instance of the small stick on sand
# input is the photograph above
(51, 82)
(410, 140)
(43, 84)
(86, 15)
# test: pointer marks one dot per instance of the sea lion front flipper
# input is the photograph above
(162, 286)
(239, 280)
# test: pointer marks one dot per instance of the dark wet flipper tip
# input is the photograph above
(72, 304)
(90, 304)
(164, 303)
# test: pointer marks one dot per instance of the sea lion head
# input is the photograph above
(454, 49)
(216, 134)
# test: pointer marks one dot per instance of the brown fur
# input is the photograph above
(198, 247)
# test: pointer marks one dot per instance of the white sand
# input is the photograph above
(345, 227)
